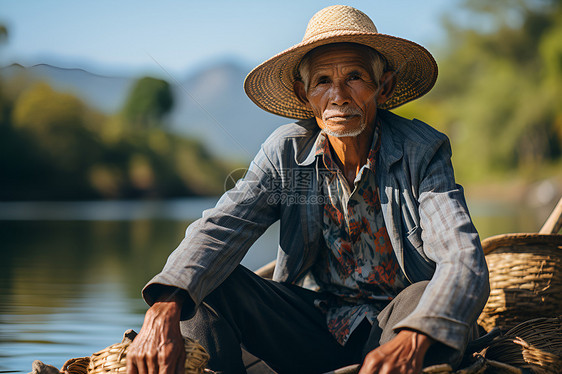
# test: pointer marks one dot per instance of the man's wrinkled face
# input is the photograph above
(341, 91)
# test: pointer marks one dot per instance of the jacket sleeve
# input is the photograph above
(459, 286)
(216, 243)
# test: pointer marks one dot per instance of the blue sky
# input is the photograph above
(137, 36)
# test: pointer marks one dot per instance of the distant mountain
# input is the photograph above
(210, 103)
(101, 92)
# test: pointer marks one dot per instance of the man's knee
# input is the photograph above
(398, 309)
(406, 301)
(413, 290)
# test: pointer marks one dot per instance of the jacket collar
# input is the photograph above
(305, 149)
(390, 152)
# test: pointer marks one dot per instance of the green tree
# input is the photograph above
(58, 123)
(51, 146)
(498, 94)
(149, 101)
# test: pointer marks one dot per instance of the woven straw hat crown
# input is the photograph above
(270, 85)
(338, 18)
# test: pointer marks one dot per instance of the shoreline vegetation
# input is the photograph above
(53, 146)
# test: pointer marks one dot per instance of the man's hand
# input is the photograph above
(159, 347)
(403, 354)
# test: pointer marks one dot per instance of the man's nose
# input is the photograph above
(339, 94)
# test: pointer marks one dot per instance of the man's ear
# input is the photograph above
(300, 92)
(387, 84)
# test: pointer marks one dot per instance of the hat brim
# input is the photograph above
(270, 84)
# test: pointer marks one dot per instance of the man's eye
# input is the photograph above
(354, 77)
(322, 81)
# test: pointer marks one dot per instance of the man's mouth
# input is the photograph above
(341, 117)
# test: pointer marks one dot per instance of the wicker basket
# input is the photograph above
(113, 359)
(525, 279)
(535, 344)
(76, 366)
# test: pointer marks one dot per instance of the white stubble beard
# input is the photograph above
(347, 133)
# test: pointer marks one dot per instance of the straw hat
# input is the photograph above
(270, 85)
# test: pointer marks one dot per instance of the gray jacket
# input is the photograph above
(424, 211)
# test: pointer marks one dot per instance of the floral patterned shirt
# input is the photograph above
(359, 271)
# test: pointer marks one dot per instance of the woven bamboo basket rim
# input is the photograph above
(503, 240)
(110, 359)
(113, 358)
(76, 365)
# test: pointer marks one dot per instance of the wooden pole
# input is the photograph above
(554, 221)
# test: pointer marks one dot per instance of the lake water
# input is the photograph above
(71, 273)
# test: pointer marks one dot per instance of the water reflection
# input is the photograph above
(70, 279)
(69, 288)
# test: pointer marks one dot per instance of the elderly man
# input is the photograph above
(378, 260)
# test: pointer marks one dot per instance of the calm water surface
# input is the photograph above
(71, 273)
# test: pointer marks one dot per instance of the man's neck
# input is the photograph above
(351, 152)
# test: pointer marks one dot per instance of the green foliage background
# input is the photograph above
(53, 146)
(498, 95)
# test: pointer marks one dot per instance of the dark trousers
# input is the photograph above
(279, 324)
